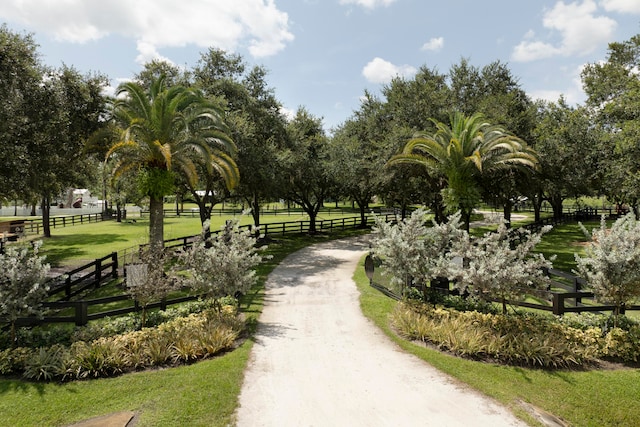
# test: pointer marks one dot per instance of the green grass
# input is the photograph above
(565, 241)
(202, 394)
(84, 243)
(583, 398)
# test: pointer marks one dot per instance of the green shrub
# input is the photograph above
(623, 345)
(524, 339)
(13, 360)
(181, 340)
(46, 363)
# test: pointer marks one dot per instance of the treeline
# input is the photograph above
(60, 129)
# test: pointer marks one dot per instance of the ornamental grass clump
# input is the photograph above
(181, 340)
(521, 340)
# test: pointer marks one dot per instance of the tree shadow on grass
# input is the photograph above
(77, 246)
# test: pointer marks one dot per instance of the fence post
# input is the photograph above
(114, 266)
(81, 308)
(558, 304)
(98, 272)
(577, 288)
(67, 287)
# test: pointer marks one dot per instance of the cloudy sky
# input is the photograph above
(323, 54)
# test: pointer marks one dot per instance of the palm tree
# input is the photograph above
(167, 131)
(461, 152)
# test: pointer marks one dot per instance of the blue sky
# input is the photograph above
(323, 54)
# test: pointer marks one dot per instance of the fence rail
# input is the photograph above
(90, 275)
(94, 274)
(570, 299)
(81, 309)
(36, 225)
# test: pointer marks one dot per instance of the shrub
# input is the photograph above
(611, 265)
(22, 284)
(221, 265)
(527, 339)
(183, 339)
(46, 363)
(623, 345)
(13, 360)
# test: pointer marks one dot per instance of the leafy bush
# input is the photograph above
(22, 284)
(611, 265)
(45, 364)
(222, 264)
(623, 345)
(13, 360)
(183, 339)
(525, 339)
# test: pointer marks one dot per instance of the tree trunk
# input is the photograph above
(537, 208)
(556, 205)
(156, 223)
(363, 206)
(466, 219)
(506, 212)
(46, 209)
(255, 210)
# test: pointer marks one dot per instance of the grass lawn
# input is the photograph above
(583, 398)
(71, 246)
(202, 394)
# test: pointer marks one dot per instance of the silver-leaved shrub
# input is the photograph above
(222, 265)
(611, 264)
(491, 267)
(22, 283)
(147, 282)
(411, 250)
(496, 267)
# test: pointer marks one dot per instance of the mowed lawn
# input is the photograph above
(79, 244)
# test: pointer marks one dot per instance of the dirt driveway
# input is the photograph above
(318, 361)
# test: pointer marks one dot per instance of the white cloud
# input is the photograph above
(154, 24)
(622, 6)
(581, 32)
(368, 4)
(435, 44)
(380, 71)
(573, 94)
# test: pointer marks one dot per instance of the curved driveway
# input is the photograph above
(318, 361)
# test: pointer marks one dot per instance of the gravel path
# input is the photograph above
(318, 361)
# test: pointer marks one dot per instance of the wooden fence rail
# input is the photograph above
(35, 226)
(94, 274)
(81, 309)
(90, 275)
(570, 299)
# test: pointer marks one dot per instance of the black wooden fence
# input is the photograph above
(564, 295)
(75, 282)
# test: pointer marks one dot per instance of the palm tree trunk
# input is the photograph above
(156, 223)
